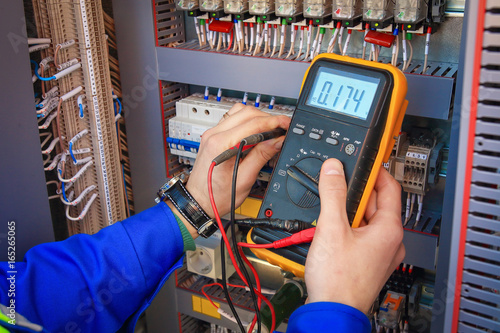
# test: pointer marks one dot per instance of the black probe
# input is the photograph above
(291, 226)
(248, 143)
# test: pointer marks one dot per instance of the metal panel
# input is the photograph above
(479, 321)
(481, 252)
(226, 71)
(480, 280)
(490, 75)
(141, 101)
(480, 266)
(420, 249)
(484, 207)
(490, 58)
(484, 223)
(486, 161)
(488, 111)
(464, 328)
(490, 94)
(474, 292)
(479, 307)
(485, 177)
(491, 39)
(483, 144)
(491, 4)
(492, 20)
(446, 276)
(485, 192)
(431, 95)
(478, 263)
(23, 193)
(484, 238)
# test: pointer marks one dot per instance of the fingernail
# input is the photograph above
(278, 144)
(333, 167)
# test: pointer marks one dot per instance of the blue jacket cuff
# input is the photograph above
(328, 317)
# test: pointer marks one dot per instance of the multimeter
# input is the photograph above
(349, 109)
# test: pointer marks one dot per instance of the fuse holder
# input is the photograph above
(221, 26)
(379, 38)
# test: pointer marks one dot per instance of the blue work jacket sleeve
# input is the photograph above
(328, 317)
(93, 283)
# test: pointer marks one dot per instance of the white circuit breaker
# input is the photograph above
(195, 115)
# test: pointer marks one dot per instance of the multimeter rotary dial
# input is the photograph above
(350, 149)
(302, 182)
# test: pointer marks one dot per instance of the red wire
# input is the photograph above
(219, 224)
(206, 295)
(257, 281)
(230, 251)
(269, 304)
(231, 42)
(264, 298)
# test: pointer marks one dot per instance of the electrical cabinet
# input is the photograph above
(436, 101)
(455, 95)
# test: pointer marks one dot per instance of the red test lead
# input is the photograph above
(305, 236)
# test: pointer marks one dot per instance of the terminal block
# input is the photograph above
(415, 169)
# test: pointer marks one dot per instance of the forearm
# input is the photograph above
(96, 282)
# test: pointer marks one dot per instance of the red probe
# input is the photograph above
(305, 236)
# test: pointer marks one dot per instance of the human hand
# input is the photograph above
(350, 265)
(242, 122)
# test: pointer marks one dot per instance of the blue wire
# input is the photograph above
(120, 106)
(64, 192)
(38, 75)
(81, 110)
(71, 152)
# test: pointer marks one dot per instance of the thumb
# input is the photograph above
(332, 192)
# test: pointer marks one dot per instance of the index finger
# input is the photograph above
(388, 192)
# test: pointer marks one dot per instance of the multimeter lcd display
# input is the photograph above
(343, 92)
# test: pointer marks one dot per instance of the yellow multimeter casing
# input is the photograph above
(349, 109)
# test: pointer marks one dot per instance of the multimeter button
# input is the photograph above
(332, 141)
(314, 136)
(298, 131)
(350, 149)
